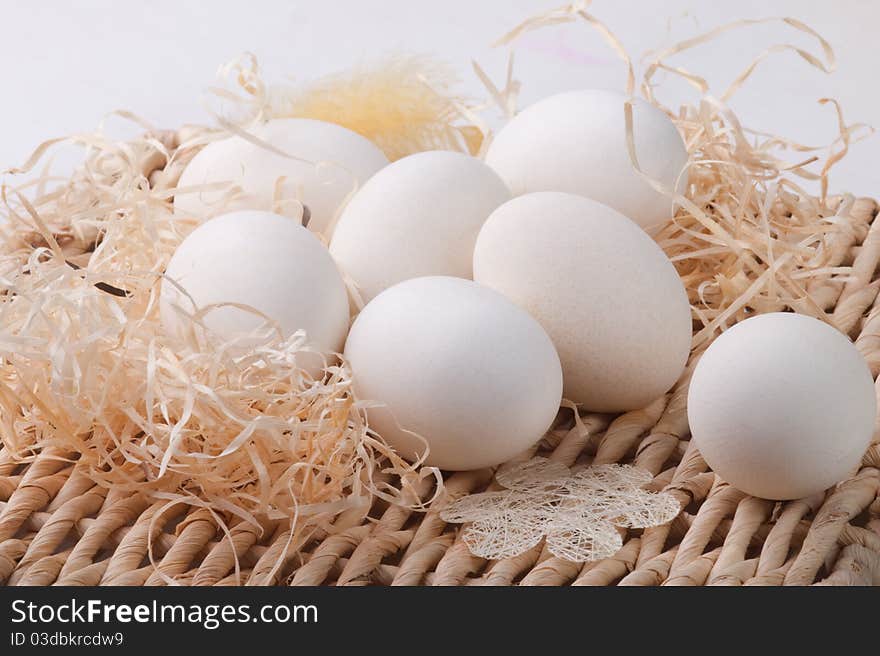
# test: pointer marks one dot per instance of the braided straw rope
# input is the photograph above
(58, 527)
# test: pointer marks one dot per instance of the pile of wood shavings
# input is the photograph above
(748, 239)
(88, 374)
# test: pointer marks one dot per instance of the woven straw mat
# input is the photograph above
(57, 527)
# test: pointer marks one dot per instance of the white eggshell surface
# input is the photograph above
(459, 365)
(262, 260)
(416, 217)
(782, 406)
(327, 162)
(603, 290)
(576, 142)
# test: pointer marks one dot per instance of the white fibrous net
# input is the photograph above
(578, 513)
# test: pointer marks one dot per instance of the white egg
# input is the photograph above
(416, 217)
(264, 261)
(576, 142)
(337, 161)
(457, 364)
(782, 406)
(604, 291)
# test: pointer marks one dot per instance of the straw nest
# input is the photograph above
(131, 458)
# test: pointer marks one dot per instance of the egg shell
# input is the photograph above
(337, 162)
(576, 142)
(416, 217)
(457, 364)
(782, 406)
(262, 260)
(603, 290)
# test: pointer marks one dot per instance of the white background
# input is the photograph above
(65, 64)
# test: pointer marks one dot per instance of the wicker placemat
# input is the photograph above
(58, 527)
